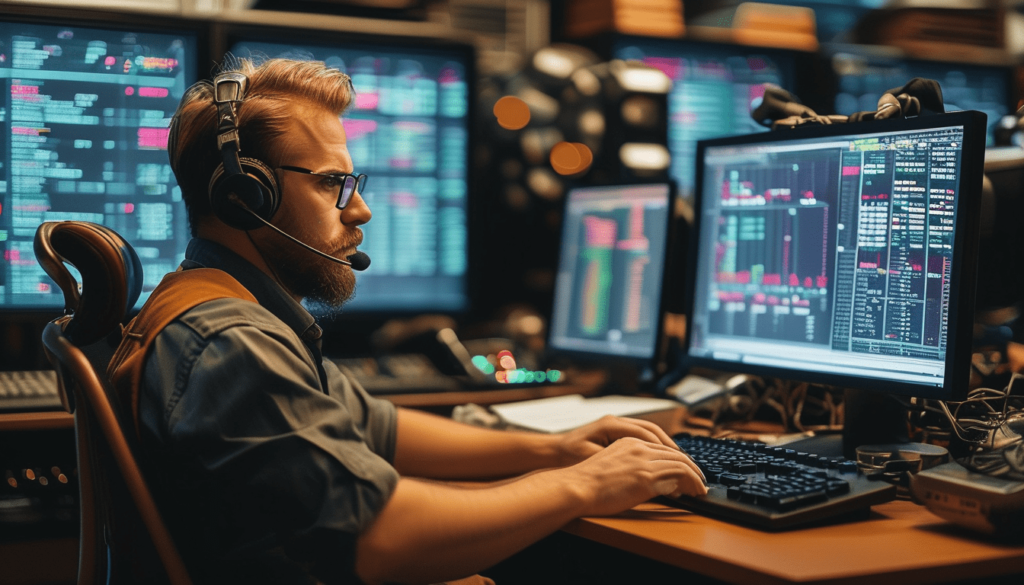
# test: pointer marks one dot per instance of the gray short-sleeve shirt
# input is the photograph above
(268, 462)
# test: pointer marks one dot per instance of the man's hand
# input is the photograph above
(631, 471)
(581, 443)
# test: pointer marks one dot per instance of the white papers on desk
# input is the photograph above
(564, 413)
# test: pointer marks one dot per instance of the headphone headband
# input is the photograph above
(228, 90)
(251, 181)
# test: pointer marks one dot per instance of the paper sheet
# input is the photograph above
(564, 413)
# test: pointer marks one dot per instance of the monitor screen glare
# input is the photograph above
(408, 131)
(842, 256)
(609, 284)
(85, 114)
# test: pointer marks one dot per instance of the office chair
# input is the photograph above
(123, 538)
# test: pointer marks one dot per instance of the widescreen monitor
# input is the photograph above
(85, 106)
(408, 130)
(714, 89)
(840, 254)
(609, 286)
(862, 78)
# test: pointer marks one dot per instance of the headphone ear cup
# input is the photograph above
(255, 188)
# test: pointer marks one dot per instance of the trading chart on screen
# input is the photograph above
(609, 283)
(841, 247)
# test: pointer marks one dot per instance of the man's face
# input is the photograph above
(314, 139)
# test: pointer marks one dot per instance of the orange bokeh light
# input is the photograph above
(570, 158)
(512, 113)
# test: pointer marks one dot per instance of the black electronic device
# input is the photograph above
(841, 254)
(405, 373)
(609, 288)
(243, 191)
(715, 87)
(435, 360)
(777, 488)
(859, 75)
(39, 497)
(29, 390)
(90, 96)
(408, 129)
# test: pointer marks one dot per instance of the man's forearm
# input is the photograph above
(432, 532)
(435, 447)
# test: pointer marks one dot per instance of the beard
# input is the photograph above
(319, 281)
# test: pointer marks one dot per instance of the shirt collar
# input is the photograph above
(269, 294)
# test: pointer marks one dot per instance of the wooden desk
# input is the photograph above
(900, 543)
(36, 421)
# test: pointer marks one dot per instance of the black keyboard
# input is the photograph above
(777, 488)
(397, 374)
(30, 390)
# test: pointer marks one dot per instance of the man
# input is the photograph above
(269, 464)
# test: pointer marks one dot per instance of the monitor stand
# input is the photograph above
(871, 418)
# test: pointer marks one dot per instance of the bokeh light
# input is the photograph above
(570, 158)
(512, 113)
(506, 361)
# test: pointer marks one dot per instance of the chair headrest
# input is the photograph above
(111, 275)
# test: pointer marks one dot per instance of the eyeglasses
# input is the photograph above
(347, 184)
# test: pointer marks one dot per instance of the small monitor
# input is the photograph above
(842, 254)
(408, 130)
(714, 89)
(85, 138)
(608, 289)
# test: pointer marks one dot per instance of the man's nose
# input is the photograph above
(356, 212)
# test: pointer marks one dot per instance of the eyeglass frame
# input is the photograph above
(358, 184)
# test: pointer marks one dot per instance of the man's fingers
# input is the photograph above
(659, 432)
(674, 453)
(681, 480)
(642, 429)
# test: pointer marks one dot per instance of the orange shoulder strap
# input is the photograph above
(176, 294)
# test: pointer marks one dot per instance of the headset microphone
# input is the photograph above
(357, 261)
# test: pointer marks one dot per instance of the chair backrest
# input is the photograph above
(123, 537)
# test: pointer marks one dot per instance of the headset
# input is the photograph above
(243, 191)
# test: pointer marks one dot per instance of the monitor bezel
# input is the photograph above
(965, 247)
(229, 34)
(49, 15)
(641, 364)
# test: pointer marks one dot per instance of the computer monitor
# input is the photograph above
(715, 87)
(840, 254)
(862, 77)
(408, 130)
(85, 138)
(609, 286)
